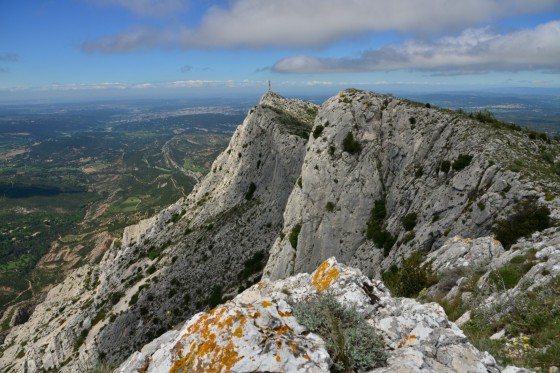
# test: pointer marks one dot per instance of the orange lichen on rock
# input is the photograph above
(324, 276)
(278, 358)
(283, 329)
(206, 354)
(266, 303)
(409, 340)
(255, 315)
(284, 314)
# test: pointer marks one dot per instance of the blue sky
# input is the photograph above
(152, 48)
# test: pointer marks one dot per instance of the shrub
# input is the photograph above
(133, 300)
(318, 131)
(299, 182)
(409, 221)
(462, 161)
(506, 277)
(294, 234)
(485, 116)
(411, 277)
(115, 297)
(252, 265)
(528, 217)
(153, 253)
(409, 236)
(350, 145)
(175, 218)
(330, 206)
(412, 120)
(445, 166)
(419, 172)
(428, 105)
(215, 296)
(251, 191)
(375, 231)
(351, 342)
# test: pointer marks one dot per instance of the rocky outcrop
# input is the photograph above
(451, 175)
(257, 331)
(133, 233)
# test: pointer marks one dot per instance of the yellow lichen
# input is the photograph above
(409, 340)
(283, 329)
(284, 314)
(324, 276)
(266, 303)
(278, 358)
(206, 352)
(255, 315)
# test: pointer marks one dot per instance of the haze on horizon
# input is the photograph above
(71, 49)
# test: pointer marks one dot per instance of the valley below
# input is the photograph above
(73, 176)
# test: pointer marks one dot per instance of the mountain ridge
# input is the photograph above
(284, 165)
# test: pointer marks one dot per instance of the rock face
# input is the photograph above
(296, 186)
(413, 160)
(133, 233)
(256, 331)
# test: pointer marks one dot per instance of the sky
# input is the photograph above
(164, 48)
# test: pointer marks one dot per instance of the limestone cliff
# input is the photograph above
(451, 174)
(297, 185)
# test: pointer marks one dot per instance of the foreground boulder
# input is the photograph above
(257, 331)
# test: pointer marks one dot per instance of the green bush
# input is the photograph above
(375, 231)
(485, 116)
(505, 277)
(350, 145)
(445, 166)
(419, 172)
(528, 217)
(351, 342)
(330, 206)
(409, 221)
(409, 236)
(253, 265)
(318, 131)
(251, 191)
(294, 234)
(299, 182)
(153, 253)
(411, 277)
(215, 296)
(175, 218)
(462, 161)
(115, 297)
(412, 120)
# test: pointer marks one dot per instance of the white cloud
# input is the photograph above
(473, 51)
(147, 8)
(315, 23)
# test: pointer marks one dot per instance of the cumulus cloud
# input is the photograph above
(147, 8)
(473, 51)
(315, 23)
